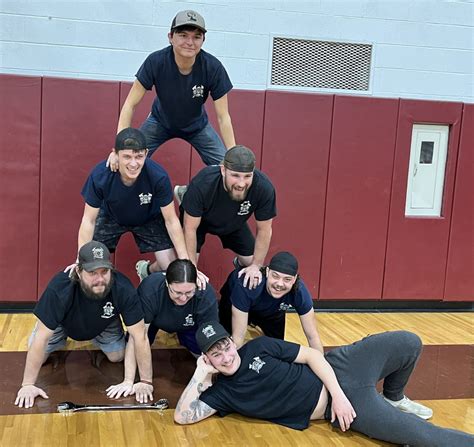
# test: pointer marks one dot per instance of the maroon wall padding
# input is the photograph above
(20, 118)
(460, 270)
(79, 120)
(417, 248)
(174, 156)
(295, 156)
(358, 197)
(246, 108)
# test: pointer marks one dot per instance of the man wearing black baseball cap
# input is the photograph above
(88, 304)
(266, 305)
(291, 385)
(220, 199)
(183, 76)
(136, 199)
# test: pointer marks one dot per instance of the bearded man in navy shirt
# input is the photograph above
(183, 76)
(137, 199)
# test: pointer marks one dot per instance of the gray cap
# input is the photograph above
(210, 333)
(189, 18)
(94, 255)
(239, 159)
(130, 138)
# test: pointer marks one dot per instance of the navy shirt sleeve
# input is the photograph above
(207, 306)
(91, 191)
(242, 297)
(267, 204)
(220, 84)
(148, 292)
(145, 73)
(193, 200)
(303, 302)
(130, 307)
(52, 305)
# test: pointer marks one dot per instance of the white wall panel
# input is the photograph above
(422, 48)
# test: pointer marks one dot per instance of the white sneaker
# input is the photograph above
(409, 406)
(142, 269)
(179, 191)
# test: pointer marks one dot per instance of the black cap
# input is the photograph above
(210, 333)
(189, 18)
(130, 138)
(240, 159)
(94, 255)
(284, 262)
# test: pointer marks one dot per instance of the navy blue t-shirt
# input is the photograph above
(168, 316)
(267, 385)
(179, 102)
(137, 204)
(207, 198)
(258, 300)
(83, 318)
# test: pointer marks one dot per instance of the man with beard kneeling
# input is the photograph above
(87, 305)
(289, 384)
(219, 200)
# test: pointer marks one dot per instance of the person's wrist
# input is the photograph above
(27, 384)
(146, 382)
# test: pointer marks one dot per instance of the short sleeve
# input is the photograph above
(303, 301)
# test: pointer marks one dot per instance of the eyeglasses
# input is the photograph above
(189, 294)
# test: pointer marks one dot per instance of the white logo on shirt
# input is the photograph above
(284, 306)
(244, 208)
(98, 253)
(145, 199)
(198, 91)
(257, 364)
(189, 321)
(108, 310)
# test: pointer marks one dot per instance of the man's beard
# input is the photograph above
(89, 293)
(230, 192)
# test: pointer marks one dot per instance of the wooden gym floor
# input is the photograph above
(443, 380)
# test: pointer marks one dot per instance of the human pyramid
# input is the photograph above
(266, 378)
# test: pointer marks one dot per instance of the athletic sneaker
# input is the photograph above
(236, 263)
(142, 269)
(408, 406)
(179, 191)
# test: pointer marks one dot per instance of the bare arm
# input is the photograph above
(174, 230)
(341, 407)
(86, 230)
(253, 276)
(135, 95)
(225, 122)
(191, 225)
(143, 389)
(34, 360)
(189, 408)
(310, 328)
(130, 368)
(239, 326)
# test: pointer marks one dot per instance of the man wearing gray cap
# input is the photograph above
(88, 304)
(183, 76)
(220, 199)
(266, 305)
(291, 385)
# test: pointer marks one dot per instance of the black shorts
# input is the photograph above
(150, 237)
(241, 242)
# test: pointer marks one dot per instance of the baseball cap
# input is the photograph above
(239, 159)
(94, 255)
(189, 18)
(284, 262)
(210, 333)
(130, 138)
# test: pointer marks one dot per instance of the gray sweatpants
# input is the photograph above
(391, 356)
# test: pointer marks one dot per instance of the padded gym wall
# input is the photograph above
(79, 119)
(295, 157)
(417, 248)
(20, 132)
(358, 197)
(460, 270)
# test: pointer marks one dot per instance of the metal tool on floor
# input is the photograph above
(70, 407)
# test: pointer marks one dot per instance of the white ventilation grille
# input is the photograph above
(320, 64)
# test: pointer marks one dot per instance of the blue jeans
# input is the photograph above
(207, 142)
